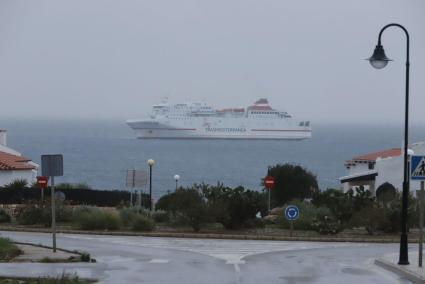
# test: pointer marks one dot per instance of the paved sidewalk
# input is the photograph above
(410, 272)
(34, 253)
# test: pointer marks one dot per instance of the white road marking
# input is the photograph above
(158, 260)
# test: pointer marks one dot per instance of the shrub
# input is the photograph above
(327, 226)
(160, 216)
(187, 205)
(309, 214)
(8, 250)
(254, 223)
(29, 215)
(232, 207)
(17, 184)
(73, 195)
(129, 214)
(96, 219)
(343, 204)
(142, 223)
(372, 218)
(4, 216)
(85, 257)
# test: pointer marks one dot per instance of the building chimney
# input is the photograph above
(3, 135)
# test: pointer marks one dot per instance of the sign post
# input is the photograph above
(291, 214)
(417, 172)
(51, 166)
(136, 178)
(269, 184)
(42, 184)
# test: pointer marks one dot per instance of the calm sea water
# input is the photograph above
(99, 153)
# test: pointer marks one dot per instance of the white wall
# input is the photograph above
(7, 177)
(358, 168)
(391, 169)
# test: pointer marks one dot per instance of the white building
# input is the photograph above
(13, 165)
(374, 169)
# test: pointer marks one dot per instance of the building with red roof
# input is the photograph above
(14, 166)
(376, 168)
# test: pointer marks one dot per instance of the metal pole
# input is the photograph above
(421, 223)
(291, 228)
(177, 184)
(53, 214)
(404, 257)
(150, 187)
(42, 195)
(269, 202)
(139, 201)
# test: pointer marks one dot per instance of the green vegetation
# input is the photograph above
(187, 205)
(137, 218)
(91, 218)
(234, 208)
(64, 279)
(17, 184)
(4, 216)
(42, 214)
(142, 223)
(310, 216)
(8, 250)
(291, 182)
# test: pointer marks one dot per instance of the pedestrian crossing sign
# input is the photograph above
(417, 169)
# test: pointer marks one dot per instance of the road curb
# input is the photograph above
(209, 236)
(400, 270)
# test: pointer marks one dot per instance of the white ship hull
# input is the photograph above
(146, 129)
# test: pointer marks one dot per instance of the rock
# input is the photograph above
(277, 211)
(271, 219)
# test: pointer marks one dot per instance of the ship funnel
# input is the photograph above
(3, 135)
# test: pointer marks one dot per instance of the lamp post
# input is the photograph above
(150, 162)
(379, 60)
(176, 178)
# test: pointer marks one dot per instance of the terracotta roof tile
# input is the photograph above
(394, 152)
(9, 162)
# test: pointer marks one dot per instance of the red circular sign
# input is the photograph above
(269, 182)
(42, 181)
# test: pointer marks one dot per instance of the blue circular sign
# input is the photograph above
(292, 212)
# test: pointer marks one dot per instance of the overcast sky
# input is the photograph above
(114, 59)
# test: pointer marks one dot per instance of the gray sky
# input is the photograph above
(114, 59)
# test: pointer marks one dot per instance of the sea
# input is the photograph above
(99, 153)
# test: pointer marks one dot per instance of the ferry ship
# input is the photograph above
(199, 120)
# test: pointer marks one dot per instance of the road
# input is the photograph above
(125, 259)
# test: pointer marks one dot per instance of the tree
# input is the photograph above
(291, 182)
(234, 207)
(188, 204)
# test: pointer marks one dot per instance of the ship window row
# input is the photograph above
(263, 112)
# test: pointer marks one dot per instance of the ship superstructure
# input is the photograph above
(199, 120)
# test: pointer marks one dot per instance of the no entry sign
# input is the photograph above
(269, 182)
(42, 181)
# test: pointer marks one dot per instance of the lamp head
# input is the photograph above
(176, 177)
(151, 162)
(378, 59)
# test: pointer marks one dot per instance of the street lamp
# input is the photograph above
(379, 60)
(176, 178)
(150, 162)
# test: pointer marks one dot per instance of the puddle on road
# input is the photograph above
(356, 271)
(298, 279)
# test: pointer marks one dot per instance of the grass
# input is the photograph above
(64, 279)
(8, 250)
(94, 219)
